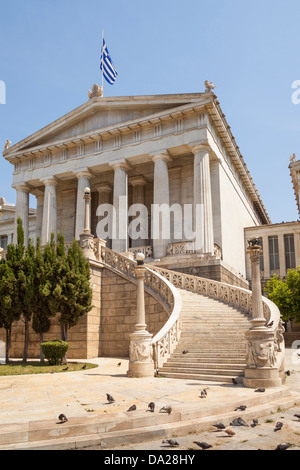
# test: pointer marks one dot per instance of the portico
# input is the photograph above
(169, 150)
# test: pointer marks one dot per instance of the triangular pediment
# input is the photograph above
(103, 113)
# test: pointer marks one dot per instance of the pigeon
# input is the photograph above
(110, 399)
(287, 372)
(157, 372)
(151, 406)
(219, 426)
(297, 416)
(166, 409)
(62, 418)
(184, 352)
(283, 446)
(132, 408)
(229, 432)
(66, 368)
(278, 426)
(203, 394)
(268, 325)
(203, 445)
(234, 381)
(119, 364)
(254, 423)
(171, 442)
(241, 408)
(83, 367)
(238, 422)
(52, 372)
(260, 390)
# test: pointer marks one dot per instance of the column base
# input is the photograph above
(266, 378)
(141, 369)
(140, 355)
(88, 246)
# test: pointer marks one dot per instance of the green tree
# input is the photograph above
(285, 293)
(73, 293)
(27, 292)
(43, 285)
(8, 291)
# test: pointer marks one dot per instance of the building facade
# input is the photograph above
(172, 150)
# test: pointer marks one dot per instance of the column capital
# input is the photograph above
(138, 181)
(160, 155)
(52, 181)
(103, 187)
(200, 146)
(22, 187)
(82, 173)
(120, 164)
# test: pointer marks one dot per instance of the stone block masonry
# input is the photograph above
(118, 314)
(105, 330)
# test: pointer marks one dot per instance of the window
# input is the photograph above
(289, 251)
(3, 241)
(273, 253)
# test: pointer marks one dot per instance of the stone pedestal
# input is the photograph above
(140, 350)
(261, 368)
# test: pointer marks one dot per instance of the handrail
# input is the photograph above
(164, 285)
(237, 296)
(167, 338)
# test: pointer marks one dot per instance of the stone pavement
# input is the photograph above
(30, 406)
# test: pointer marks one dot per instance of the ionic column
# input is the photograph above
(105, 197)
(22, 211)
(120, 202)
(203, 217)
(138, 197)
(49, 211)
(161, 195)
(281, 254)
(84, 181)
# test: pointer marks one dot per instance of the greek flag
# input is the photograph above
(106, 65)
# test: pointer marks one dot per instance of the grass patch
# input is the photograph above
(36, 367)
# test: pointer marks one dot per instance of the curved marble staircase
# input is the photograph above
(213, 334)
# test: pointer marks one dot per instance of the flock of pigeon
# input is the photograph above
(219, 426)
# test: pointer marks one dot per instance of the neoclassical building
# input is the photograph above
(176, 150)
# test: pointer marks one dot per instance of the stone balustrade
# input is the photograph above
(164, 285)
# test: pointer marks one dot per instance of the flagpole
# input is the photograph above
(101, 57)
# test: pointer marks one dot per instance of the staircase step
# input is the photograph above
(202, 365)
(202, 376)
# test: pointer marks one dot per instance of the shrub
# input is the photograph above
(55, 351)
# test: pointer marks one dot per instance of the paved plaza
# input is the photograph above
(35, 402)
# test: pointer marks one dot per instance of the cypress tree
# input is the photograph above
(8, 292)
(73, 292)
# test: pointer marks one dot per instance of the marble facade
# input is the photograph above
(164, 149)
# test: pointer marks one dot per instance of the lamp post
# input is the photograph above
(87, 242)
(254, 252)
(140, 349)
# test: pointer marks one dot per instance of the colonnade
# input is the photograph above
(161, 195)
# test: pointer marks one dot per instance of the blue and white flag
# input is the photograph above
(107, 66)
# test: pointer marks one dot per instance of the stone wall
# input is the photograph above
(105, 330)
(118, 314)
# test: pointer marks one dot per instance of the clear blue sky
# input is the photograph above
(250, 49)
